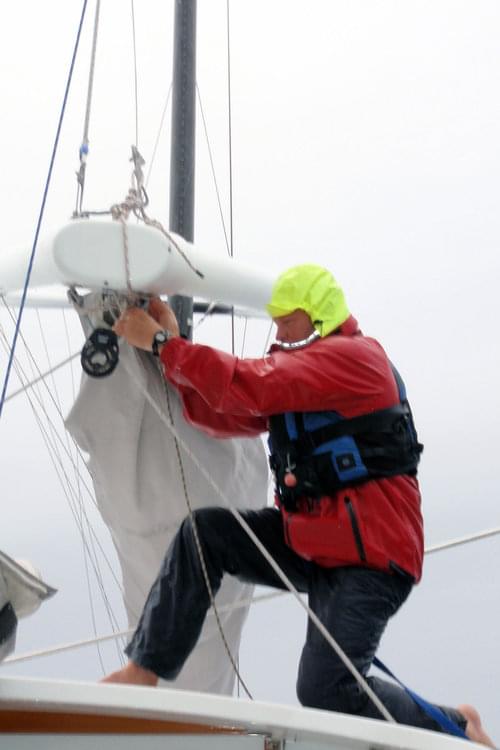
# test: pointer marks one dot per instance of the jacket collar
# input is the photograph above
(348, 328)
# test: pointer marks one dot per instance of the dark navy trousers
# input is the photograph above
(354, 603)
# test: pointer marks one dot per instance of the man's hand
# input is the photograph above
(164, 315)
(138, 327)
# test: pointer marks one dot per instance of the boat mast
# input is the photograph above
(182, 147)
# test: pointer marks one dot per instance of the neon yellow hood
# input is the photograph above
(313, 289)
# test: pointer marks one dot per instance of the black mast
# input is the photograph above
(182, 148)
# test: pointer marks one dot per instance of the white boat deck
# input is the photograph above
(57, 714)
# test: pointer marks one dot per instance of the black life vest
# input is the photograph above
(321, 452)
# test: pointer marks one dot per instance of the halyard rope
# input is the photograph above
(121, 213)
(112, 307)
(135, 203)
(197, 541)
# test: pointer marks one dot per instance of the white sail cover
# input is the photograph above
(135, 470)
(21, 593)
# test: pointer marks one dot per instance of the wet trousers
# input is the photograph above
(354, 603)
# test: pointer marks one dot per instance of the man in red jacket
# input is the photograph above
(348, 526)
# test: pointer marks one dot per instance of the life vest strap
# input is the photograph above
(384, 420)
(446, 724)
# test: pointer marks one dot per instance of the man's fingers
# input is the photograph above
(156, 308)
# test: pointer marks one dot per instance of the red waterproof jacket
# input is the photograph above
(345, 372)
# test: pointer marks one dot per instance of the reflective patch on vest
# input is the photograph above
(344, 453)
(345, 457)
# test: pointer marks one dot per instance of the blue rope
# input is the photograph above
(42, 209)
(446, 724)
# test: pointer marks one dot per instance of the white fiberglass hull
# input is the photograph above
(42, 714)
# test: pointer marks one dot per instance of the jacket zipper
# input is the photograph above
(287, 530)
(355, 529)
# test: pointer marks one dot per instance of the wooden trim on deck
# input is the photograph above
(59, 722)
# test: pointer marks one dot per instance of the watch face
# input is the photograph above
(160, 337)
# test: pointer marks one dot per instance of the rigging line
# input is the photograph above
(54, 385)
(97, 568)
(158, 134)
(84, 148)
(65, 647)
(459, 541)
(136, 97)
(230, 133)
(80, 506)
(42, 208)
(230, 146)
(429, 550)
(312, 616)
(40, 379)
(77, 472)
(53, 392)
(242, 602)
(42, 376)
(68, 492)
(270, 559)
(89, 592)
(222, 608)
(68, 339)
(90, 87)
(266, 345)
(197, 541)
(113, 620)
(38, 397)
(65, 483)
(210, 308)
(73, 498)
(244, 338)
(214, 176)
(123, 633)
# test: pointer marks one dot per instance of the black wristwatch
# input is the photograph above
(160, 338)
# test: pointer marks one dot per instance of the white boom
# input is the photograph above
(98, 254)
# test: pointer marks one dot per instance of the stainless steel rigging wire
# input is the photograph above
(54, 445)
(42, 206)
(136, 93)
(84, 148)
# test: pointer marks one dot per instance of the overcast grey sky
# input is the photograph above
(365, 137)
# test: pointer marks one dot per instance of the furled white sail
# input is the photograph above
(133, 462)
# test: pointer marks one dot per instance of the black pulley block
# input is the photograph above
(100, 353)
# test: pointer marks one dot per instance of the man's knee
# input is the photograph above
(308, 693)
(345, 697)
(332, 690)
(207, 523)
